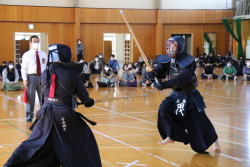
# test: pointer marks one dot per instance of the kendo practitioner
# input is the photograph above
(181, 116)
(60, 136)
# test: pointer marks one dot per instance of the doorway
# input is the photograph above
(188, 42)
(118, 45)
(21, 41)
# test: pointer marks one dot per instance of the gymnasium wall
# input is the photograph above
(129, 4)
(65, 25)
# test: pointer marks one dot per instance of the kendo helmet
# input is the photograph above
(59, 52)
(175, 45)
(63, 53)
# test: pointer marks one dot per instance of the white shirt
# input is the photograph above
(29, 62)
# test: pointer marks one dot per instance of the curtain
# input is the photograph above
(210, 45)
(238, 32)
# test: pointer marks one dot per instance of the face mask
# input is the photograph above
(106, 68)
(100, 56)
(11, 66)
(35, 46)
(248, 64)
(129, 66)
(229, 65)
(20, 61)
(112, 58)
(126, 68)
(96, 59)
(79, 42)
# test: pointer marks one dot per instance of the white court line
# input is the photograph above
(132, 135)
(234, 142)
(125, 115)
(128, 127)
(237, 159)
(142, 112)
(225, 104)
(134, 147)
(228, 126)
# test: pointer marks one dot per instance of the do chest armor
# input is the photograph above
(174, 70)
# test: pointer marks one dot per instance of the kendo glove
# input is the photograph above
(89, 103)
(159, 85)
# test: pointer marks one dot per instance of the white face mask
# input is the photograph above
(248, 64)
(100, 56)
(35, 46)
(112, 58)
(96, 59)
(229, 65)
(11, 66)
(106, 68)
(79, 42)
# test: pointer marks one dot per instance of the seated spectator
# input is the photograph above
(113, 64)
(131, 66)
(208, 72)
(140, 65)
(4, 65)
(85, 66)
(10, 78)
(210, 58)
(201, 61)
(229, 72)
(146, 78)
(246, 71)
(101, 58)
(86, 80)
(108, 77)
(241, 64)
(229, 56)
(218, 61)
(125, 76)
(95, 66)
(18, 67)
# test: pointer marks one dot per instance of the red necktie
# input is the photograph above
(38, 65)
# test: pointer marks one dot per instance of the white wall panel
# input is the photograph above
(195, 4)
(135, 4)
(59, 3)
(129, 4)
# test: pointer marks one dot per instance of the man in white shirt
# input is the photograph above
(34, 63)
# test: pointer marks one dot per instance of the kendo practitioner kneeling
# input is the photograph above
(60, 136)
(181, 116)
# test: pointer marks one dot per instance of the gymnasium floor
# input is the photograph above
(126, 132)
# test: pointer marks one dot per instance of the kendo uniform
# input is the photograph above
(209, 70)
(181, 116)
(60, 136)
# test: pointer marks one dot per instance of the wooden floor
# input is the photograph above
(126, 132)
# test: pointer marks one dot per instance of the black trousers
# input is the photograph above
(195, 128)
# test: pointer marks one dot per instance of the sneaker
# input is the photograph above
(227, 78)
(235, 78)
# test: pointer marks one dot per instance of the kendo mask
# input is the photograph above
(63, 53)
(175, 45)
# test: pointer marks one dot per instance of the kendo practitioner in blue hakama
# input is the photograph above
(181, 115)
(60, 136)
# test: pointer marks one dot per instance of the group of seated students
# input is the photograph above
(9, 76)
(127, 75)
